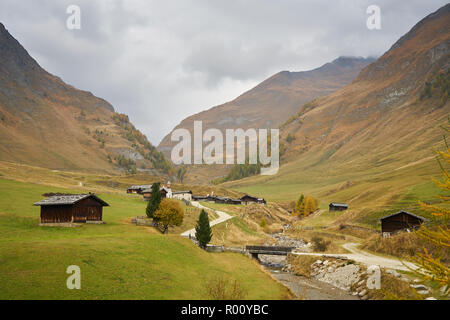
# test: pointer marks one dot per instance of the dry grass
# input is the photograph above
(393, 288)
(301, 265)
(404, 245)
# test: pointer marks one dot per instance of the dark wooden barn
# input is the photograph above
(79, 208)
(338, 206)
(138, 189)
(402, 220)
(250, 199)
(147, 193)
(227, 200)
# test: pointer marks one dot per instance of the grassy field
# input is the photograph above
(118, 260)
(370, 193)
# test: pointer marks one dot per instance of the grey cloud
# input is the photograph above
(160, 61)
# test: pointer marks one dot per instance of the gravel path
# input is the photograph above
(222, 218)
(366, 258)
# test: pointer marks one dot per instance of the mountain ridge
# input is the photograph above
(269, 103)
(370, 143)
(48, 123)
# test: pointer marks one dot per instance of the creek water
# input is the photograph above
(303, 287)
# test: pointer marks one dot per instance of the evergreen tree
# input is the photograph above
(155, 200)
(203, 231)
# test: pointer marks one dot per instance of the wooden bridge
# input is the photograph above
(270, 250)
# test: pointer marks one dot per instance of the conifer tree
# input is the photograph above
(155, 200)
(203, 232)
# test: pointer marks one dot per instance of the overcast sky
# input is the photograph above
(160, 61)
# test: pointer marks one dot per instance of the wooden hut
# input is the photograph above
(402, 220)
(337, 206)
(250, 199)
(182, 195)
(165, 193)
(80, 208)
(227, 200)
(138, 189)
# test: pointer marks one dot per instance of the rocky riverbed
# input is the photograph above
(303, 287)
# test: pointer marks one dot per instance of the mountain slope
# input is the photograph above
(48, 123)
(269, 103)
(369, 143)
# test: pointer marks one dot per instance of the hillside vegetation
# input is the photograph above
(48, 123)
(370, 143)
(118, 260)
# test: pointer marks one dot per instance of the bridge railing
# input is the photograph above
(269, 248)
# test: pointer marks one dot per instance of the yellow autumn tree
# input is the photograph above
(300, 205)
(438, 233)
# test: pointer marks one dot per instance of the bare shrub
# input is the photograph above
(224, 289)
(319, 244)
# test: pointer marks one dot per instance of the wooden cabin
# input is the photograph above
(338, 206)
(182, 195)
(199, 198)
(227, 200)
(138, 189)
(250, 199)
(165, 193)
(79, 208)
(399, 221)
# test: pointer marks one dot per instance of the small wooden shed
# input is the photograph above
(334, 206)
(227, 200)
(182, 195)
(68, 208)
(402, 220)
(247, 199)
(147, 193)
(138, 189)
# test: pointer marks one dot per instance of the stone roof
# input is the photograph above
(180, 192)
(69, 199)
(143, 186)
(149, 190)
(335, 204)
(405, 212)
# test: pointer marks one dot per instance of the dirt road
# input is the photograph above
(222, 218)
(366, 258)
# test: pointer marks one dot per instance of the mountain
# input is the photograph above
(370, 143)
(48, 123)
(272, 101)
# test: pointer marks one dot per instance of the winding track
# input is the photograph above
(222, 218)
(366, 258)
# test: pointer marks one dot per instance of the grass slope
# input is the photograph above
(117, 260)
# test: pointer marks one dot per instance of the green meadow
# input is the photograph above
(118, 260)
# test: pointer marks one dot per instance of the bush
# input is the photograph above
(222, 289)
(263, 222)
(319, 244)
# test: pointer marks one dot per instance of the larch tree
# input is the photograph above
(438, 233)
